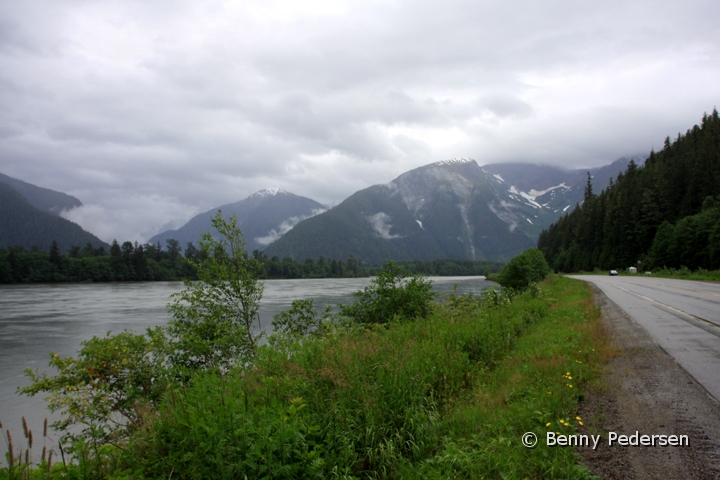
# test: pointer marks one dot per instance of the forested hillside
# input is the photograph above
(23, 224)
(665, 213)
(41, 198)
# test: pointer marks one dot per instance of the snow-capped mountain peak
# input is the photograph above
(455, 161)
(270, 192)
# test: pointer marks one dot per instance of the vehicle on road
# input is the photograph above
(613, 272)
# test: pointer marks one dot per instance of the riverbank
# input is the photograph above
(450, 395)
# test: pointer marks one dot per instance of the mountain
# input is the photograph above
(44, 199)
(557, 188)
(452, 208)
(24, 224)
(263, 217)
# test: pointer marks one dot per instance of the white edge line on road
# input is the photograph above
(669, 307)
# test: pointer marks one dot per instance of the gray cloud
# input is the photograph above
(381, 223)
(284, 227)
(149, 112)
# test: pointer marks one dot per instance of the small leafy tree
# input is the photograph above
(392, 293)
(107, 389)
(301, 319)
(213, 318)
(524, 269)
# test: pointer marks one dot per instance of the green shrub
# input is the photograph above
(526, 268)
(212, 326)
(393, 293)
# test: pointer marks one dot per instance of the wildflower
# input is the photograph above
(578, 418)
(569, 385)
(581, 423)
(548, 424)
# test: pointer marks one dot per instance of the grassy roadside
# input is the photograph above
(449, 396)
(535, 388)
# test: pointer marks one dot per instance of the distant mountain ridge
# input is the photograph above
(25, 225)
(263, 217)
(44, 199)
(452, 208)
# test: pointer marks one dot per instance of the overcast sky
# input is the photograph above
(150, 112)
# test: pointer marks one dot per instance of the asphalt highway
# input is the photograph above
(682, 316)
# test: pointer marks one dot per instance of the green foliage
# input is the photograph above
(112, 388)
(536, 388)
(106, 389)
(215, 428)
(693, 242)
(446, 396)
(525, 269)
(301, 320)
(359, 403)
(131, 263)
(657, 214)
(392, 294)
(212, 326)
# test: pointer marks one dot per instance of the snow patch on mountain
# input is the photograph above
(455, 161)
(380, 222)
(270, 192)
(532, 195)
(285, 226)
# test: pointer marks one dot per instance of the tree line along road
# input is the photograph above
(681, 316)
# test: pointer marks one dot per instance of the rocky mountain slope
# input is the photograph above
(453, 208)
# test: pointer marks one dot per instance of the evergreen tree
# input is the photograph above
(656, 213)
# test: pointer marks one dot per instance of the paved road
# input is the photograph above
(681, 316)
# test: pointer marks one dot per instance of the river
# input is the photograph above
(38, 319)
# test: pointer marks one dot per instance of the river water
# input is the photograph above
(38, 319)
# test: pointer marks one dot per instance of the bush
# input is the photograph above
(393, 293)
(213, 318)
(526, 268)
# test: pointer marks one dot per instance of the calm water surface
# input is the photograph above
(38, 319)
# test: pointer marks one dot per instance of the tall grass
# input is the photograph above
(445, 397)
(416, 397)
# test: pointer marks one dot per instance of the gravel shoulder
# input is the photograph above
(648, 392)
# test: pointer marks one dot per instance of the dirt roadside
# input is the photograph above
(648, 392)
